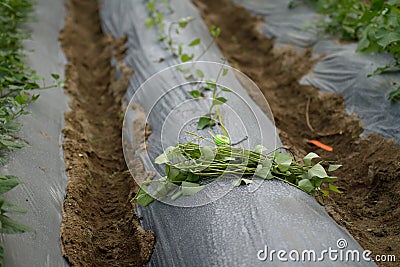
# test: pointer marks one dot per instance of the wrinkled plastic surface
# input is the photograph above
(342, 71)
(231, 230)
(40, 164)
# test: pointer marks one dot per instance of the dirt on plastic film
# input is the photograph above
(370, 176)
(99, 226)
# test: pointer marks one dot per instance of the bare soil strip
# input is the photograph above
(370, 177)
(99, 226)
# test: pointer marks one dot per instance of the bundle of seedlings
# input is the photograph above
(189, 167)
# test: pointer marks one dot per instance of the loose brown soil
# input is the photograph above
(99, 227)
(370, 177)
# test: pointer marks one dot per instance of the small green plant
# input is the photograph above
(375, 24)
(156, 18)
(214, 114)
(190, 166)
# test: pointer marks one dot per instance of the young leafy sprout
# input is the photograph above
(214, 114)
(177, 50)
(190, 166)
(156, 18)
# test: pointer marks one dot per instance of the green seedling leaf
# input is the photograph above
(266, 163)
(395, 95)
(200, 73)
(182, 69)
(237, 182)
(334, 189)
(9, 226)
(207, 153)
(192, 177)
(211, 84)
(391, 67)
(161, 38)
(306, 185)
(169, 154)
(225, 89)
(12, 127)
(195, 42)
(5, 143)
(259, 149)
(189, 184)
(328, 179)
(324, 192)
(219, 101)
(180, 49)
(149, 22)
(55, 76)
(334, 167)
(9, 183)
(142, 198)
(8, 207)
(186, 57)
(224, 72)
(386, 38)
(308, 158)
(317, 171)
(164, 189)
(283, 161)
(21, 98)
(175, 175)
(262, 171)
(317, 182)
(189, 189)
(172, 152)
(161, 159)
(270, 176)
(183, 22)
(150, 6)
(195, 93)
(215, 31)
(188, 76)
(205, 122)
